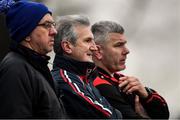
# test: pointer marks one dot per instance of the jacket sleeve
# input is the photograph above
(112, 94)
(155, 105)
(15, 93)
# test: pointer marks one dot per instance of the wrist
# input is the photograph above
(149, 91)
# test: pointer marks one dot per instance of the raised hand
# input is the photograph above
(131, 85)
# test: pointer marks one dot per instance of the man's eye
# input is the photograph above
(47, 25)
(119, 45)
(88, 40)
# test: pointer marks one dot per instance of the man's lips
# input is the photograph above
(123, 61)
(89, 54)
(52, 41)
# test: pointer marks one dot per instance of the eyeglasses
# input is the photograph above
(48, 25)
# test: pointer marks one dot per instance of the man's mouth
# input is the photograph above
(89, 54)
(123, 61)
(52, 41)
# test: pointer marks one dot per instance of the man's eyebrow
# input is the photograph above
(48, 21)
(121, 42)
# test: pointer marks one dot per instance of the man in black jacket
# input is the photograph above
(72, 65)
(126, 93)
(26, 86)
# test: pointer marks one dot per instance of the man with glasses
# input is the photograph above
(27, 89)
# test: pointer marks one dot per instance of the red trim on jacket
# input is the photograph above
(103, 79)
(99, 81)
(156, 96)
(66, 79)
(80, 94)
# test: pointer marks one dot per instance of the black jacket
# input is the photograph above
(27, 87)
(80, 98)
(154, 104)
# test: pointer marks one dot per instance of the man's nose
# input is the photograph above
(53, 31)
(93, 47)
(126, 51)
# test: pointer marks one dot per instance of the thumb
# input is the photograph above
(139, 108)
(137, 103)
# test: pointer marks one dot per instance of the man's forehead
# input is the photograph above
(117, 36)
(47, 17)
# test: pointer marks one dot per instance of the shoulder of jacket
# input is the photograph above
(99, 81)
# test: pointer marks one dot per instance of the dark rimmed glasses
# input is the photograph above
(48, 25)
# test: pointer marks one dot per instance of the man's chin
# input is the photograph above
(87, 60)
(90, 60)
(122, 67)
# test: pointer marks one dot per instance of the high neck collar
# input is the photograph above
(72, 65)
(30, 54)
(38, 61)
(103, 74)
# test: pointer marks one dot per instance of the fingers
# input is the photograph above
(130, 88)
(122, 79)
(123, 82)
(129, 84)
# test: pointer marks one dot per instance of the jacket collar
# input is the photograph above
(38, 61)
(33, 57)
(105, 75)
(74, 66)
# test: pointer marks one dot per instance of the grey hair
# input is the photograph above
(66, 31)
(101, 30)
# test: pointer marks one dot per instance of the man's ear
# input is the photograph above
(98, 52)
(66, 46)
(27, 39)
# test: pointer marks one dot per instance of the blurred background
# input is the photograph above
(152, 28)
